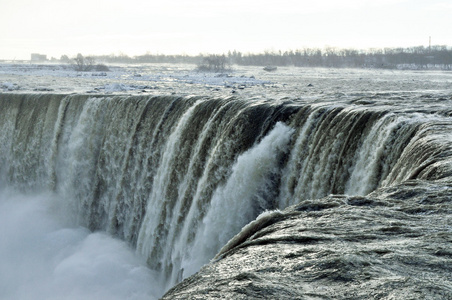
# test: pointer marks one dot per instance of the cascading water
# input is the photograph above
(177, 177)
(250, 190)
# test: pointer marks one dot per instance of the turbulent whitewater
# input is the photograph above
(178, 177)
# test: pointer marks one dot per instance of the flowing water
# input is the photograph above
(143, 189)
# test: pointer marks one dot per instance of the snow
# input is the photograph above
(9, 86)
(145, 78)
(248, 82)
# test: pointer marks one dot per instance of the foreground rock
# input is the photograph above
(393, 244)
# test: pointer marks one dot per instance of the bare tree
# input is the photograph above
(214, 63)
(83, 64)
(88, 63)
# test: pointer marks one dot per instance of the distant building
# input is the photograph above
(38, 57)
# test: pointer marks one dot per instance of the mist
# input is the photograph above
(44, 256)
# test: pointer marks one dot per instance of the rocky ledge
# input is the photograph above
(392, 244)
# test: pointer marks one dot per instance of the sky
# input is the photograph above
(136, 27)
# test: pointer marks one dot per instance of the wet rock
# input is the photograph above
(337, 248)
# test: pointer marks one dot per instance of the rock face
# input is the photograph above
(393, 244)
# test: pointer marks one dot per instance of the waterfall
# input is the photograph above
(177, 177)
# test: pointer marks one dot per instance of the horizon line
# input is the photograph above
(202, 53)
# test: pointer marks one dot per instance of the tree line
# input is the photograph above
(434, 57)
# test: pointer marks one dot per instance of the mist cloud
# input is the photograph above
(42, 258)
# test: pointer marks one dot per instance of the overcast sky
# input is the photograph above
(134, 27)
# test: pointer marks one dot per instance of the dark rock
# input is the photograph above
(335, 248)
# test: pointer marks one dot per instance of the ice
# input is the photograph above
(128, 79)
(116, 87)
(9, 86)
(249, 82)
